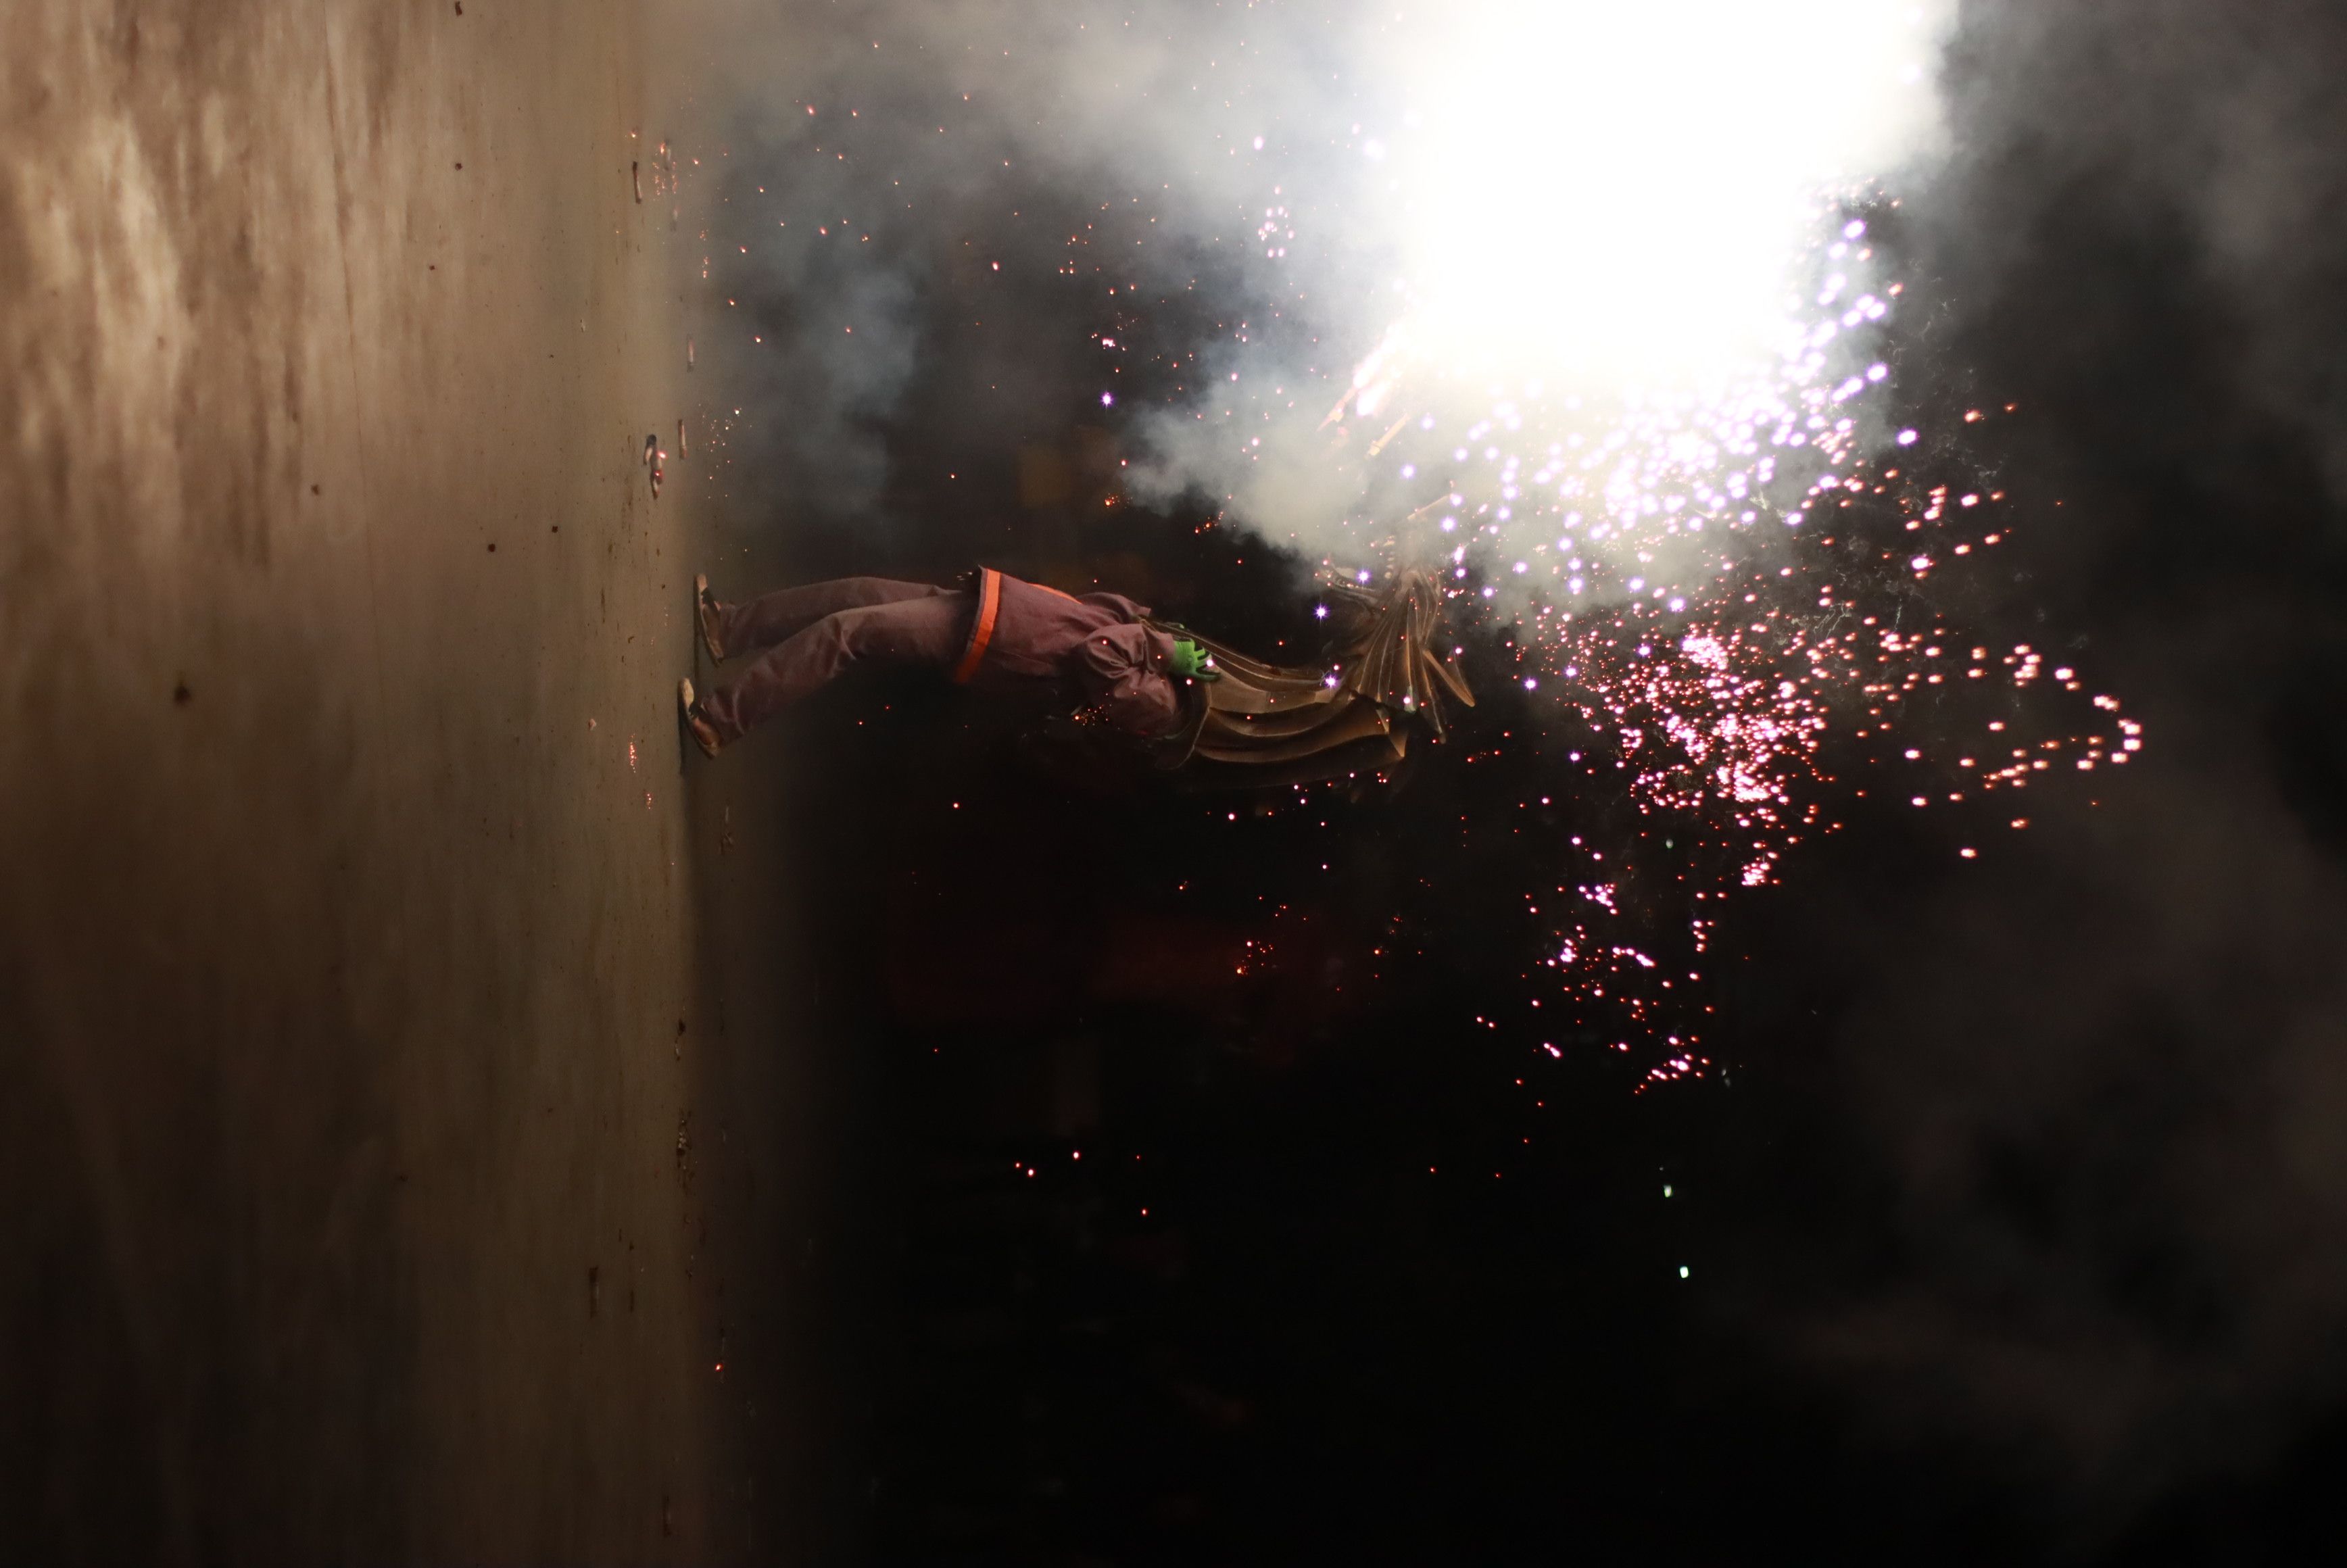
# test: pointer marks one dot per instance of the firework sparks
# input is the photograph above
(1701, 584)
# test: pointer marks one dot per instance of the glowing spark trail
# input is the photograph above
(1700, 585)
(1628, 406)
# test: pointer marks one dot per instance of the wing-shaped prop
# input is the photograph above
(1389, 671)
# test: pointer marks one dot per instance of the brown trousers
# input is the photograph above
(803, 638)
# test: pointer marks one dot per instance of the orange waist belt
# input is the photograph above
(981, 630)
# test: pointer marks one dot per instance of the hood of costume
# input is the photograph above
(1389, 670)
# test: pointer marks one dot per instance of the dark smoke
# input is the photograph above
(995, 216)
(2103, 1088)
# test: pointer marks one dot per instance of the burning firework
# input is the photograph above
(1700, 586)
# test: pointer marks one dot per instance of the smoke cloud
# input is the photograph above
(2106, 1085)
(1227, 210)
(993, 222)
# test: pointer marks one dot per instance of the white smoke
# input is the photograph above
(1567, 207)
(1579, 241)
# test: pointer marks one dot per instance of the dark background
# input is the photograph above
(443, 1118)
(2013, 1229)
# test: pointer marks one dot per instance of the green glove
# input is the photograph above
(1193, 662)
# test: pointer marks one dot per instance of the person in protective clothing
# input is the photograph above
(1131, 695)
(1097, 653)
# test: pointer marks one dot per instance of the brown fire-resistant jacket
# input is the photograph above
(1095, 652)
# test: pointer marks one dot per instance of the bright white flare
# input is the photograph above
(1612, 193)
